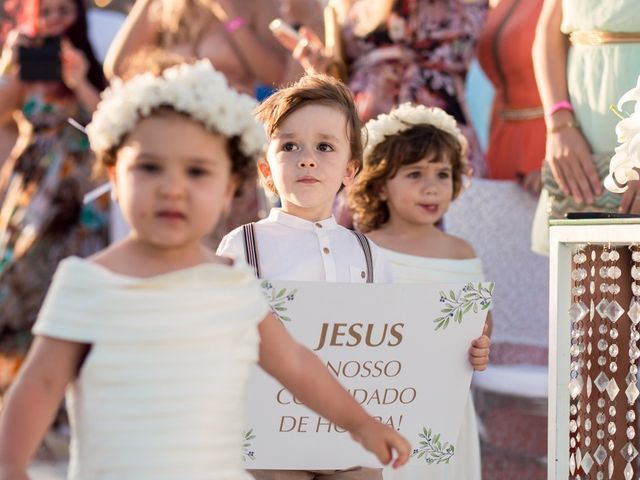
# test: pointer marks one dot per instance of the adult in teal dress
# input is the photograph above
(586, 52)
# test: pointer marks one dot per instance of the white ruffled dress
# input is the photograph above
(414, 269)
(161, 394)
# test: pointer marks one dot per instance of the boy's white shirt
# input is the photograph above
(293, 249)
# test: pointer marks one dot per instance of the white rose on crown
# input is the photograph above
(197, 90)
(405, 117)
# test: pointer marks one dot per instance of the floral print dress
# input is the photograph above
(42, 217)
(421, 54)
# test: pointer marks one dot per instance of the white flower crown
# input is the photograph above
(197, 90)
(625, 164)
(405, 117)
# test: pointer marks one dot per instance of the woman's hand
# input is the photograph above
(309, 51)
(9, 59)
(75, 66)
(223, 10)
(531, 182)
(571, 161)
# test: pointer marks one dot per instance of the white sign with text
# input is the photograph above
(400, 349)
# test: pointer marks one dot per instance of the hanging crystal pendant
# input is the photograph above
(602, 381)
(587, 463)
(612, 389)
(628, 472)
(575, 387)
(631, 432)
(572, 464)
(634, 312)
(629, 452)
(632, 393)
(601, 308)
(610, 469)
(600, 455)
(614, 311)
(578, 311)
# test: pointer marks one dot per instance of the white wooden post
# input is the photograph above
(565, 235)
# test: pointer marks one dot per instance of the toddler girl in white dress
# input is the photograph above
(414, 163)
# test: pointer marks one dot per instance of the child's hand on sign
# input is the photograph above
(479, 350)
(383, 441)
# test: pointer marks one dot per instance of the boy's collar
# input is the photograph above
(277, 215)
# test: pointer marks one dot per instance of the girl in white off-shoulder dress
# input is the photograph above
(155, 335)
(413, 168)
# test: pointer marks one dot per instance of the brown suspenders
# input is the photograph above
(251, 250)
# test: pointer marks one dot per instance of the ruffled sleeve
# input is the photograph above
(66, 313)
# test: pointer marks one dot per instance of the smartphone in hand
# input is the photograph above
(41, 61)
(280, 27)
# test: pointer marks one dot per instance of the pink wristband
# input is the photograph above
(234, 24)
(563, 105)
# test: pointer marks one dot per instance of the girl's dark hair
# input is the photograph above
(395, 151)
(78, 34)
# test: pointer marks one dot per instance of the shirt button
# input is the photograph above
(326, 250)
(319, 225)
(362, 274)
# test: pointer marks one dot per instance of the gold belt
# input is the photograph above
(521, 113)
(593, 37)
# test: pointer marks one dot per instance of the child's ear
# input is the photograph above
(232, 188)
(382, 193)
(350, 173)
(264, 169)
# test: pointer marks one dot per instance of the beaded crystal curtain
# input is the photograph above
(603, 384)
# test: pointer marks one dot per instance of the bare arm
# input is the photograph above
(302, 373)
(33, 399)
(567, 152)
(262, 54)
(140, 29)
(75, 69)
(550, 50)
(11, 97)
(11, 88)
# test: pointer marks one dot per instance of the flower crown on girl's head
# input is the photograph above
(197, 90)
(405, 117)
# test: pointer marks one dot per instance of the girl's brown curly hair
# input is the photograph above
(395, 151)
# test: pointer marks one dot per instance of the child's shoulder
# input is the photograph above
(459, 248)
